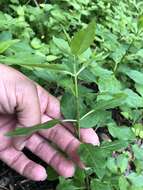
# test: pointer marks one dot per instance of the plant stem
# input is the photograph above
(81, 70)
(36, 3)
(87, 114)
(69, 120)
(125, 54)
(77, 98)
(87, 183)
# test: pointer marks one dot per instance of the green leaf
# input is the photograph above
(68, 106)
(4, 45)
(135, 188)
(22, 48)
(36, 43)
(138, 130)
(122, 162)
(133, 100)
(140, 22)
(135, 75)
(139, 165)
(123, 183)
(51, 58)
(138, 152)
(66, 184)
(87, 76)
(139, 89)
(94, 156)
(83, 39)
(54, 67)
(117, 100)
(52, 174)
(135, 179)
(99, 71)
(47, 75)
(111, 165)
(29, 130)
(59, 68)
(109, 84)
(98, 185)
(23, 59)
(121, 132)
(80, 175)
(93, 119)
(5, 35)
(91, 155)
(114, 146)
(62, 45)
(118, 53)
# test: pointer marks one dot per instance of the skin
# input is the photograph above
(22, 104)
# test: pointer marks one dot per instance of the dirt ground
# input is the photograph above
(10, 180)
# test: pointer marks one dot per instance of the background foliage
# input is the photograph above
(110, 82)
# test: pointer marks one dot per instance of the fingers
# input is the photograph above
(86, 135)
(30, 112)
(48, 103)
(19, 142)
(50, 106)
(51, 156)
(7, 123)
(89, 136)
(28, 109)
(65, 140)
(20, 163)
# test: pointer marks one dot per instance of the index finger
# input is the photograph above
(49, 104)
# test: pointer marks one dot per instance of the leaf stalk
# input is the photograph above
(77, 97)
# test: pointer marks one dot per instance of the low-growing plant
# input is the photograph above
(98, 73)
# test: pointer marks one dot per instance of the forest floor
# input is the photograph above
(11, 180)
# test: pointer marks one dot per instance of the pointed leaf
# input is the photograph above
(94, 156)
(29, 130)
(98, 185)
(117, 100)
(121, 132)
(68, 106)
(123, 183)
(95, 118)
(62, 44)
(140, 22)
(135, 75)
(122, 162)
(133, 100)
(83, 39)
(135, 179)
(4, 45)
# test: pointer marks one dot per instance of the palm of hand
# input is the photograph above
(22, 103)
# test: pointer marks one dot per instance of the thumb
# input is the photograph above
(27, 110)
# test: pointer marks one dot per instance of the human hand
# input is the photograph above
(22, 104)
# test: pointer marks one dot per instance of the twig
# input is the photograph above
(24, 181)
(27, 2)
(3, 188)
(36, 3)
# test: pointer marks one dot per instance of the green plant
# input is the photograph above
(97, 70)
